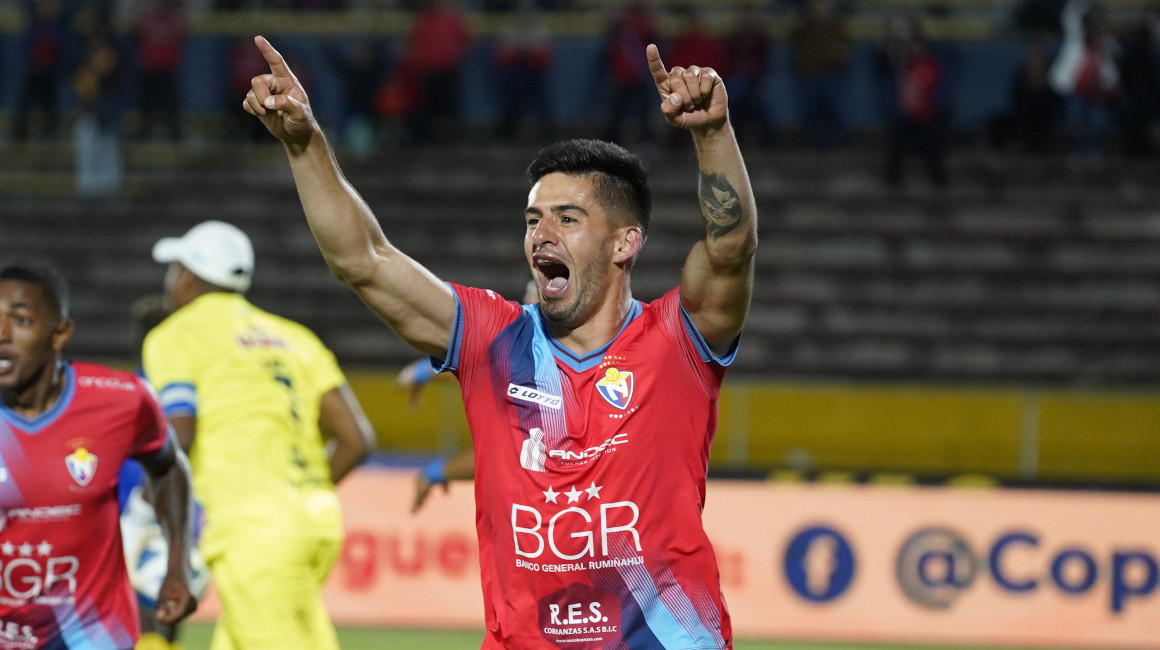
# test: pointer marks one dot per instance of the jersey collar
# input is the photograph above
(582, 362)
(34, 424)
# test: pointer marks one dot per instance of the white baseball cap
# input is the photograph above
(214, 251)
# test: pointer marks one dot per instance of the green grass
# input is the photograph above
(196, 636)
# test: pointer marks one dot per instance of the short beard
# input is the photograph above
(572, 314)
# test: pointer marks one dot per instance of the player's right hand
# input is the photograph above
(422, 491)
(279, 100)
(175, 599)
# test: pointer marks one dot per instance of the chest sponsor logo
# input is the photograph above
(33, 573)
(579, 617)
(82, 465)
(17, 635)
(107, 383)
(616, 387)
(525, 394)
(576, 530)
(40, 514)
(584, 455)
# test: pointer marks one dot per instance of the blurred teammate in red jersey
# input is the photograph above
(65, 430)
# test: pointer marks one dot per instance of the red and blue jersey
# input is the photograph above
(590, 478)
(64, 585)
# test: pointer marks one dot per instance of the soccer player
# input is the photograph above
(592, 413)
(256, 399)
(65, 429)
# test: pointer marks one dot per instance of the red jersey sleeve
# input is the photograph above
(480, 315)
(679, 327)
(151, 432)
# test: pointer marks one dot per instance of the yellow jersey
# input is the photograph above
(254, 382)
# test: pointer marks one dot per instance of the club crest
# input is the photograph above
(82, 465)
(616, 387)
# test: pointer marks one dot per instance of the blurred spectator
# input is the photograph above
(822, 50)
(360, 65)
(748, 50)
(1085, 73)
(437, 48)
(396, 100)
(44, 42)
(917, 113)
(1037, 18)
(523, 57)
(1031, 121)
(161, 36)
(633, 92)
(694, 44)
(1140, 80)
(97, 84)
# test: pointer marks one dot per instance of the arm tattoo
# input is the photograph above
(720, 205)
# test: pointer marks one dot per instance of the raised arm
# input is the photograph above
(717, 280)
(408, 297)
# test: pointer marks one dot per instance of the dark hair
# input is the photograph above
(50, 280)
(621, 177)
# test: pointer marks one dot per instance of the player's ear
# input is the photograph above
(628, 242)
(62, 334)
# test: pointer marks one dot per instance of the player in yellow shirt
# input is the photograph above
(255, 399)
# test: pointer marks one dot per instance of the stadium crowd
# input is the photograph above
(1062, 76)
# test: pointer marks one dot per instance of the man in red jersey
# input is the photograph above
(65, 430)
(592, 413)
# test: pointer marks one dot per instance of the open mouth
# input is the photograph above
(6, 364)
(553, 277)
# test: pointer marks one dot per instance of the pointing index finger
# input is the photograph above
(273, 57)
(657, 67)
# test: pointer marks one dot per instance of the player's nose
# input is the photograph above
(544, 233)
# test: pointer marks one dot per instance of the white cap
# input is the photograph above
(214, 251)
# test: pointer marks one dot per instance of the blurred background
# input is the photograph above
(958, 283)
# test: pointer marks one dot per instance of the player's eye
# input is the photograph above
(533, 221)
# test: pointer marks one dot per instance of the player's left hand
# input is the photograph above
(691, 98)
(279, 100)
(175, 600)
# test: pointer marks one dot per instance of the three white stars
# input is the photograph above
(43, 549)
(573, 495)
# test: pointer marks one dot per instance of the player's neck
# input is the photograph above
(38, 395)
(600, 328)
